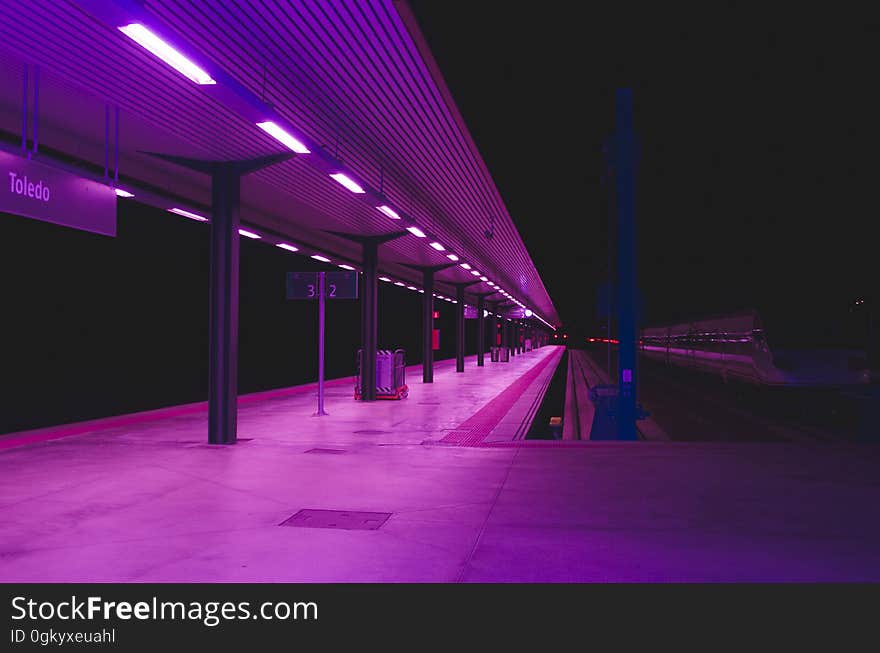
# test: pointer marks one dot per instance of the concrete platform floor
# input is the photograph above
(149, 502)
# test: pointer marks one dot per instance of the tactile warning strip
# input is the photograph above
(474, 430)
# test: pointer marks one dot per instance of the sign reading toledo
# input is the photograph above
(35, 190)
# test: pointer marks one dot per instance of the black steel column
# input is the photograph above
(428, 326)
(493, 328)
(223, 286)
(481, 330)
(511, 346)
(223, 321)
(459, 328)
(369, 319)
(624, 177)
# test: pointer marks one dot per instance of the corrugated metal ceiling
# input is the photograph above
(352, 75)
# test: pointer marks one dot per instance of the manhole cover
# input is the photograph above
(319, 450)
(370, 432)
(344, 519)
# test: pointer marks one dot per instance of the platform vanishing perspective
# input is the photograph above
(117, 504)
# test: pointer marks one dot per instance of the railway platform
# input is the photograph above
(426, 489)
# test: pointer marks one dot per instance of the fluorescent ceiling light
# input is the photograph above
(452, 257)
(289, 248)
(491, 283)
(345, 266)
(475, 273)
(528, 313)
(122, 193)
(415, 231)
(283, 137)
(188, 214)
(421, 290)
(248, 234)
(387, 210)
(411, 288)
(148, 40)
(348, 182)
(384, 279)
(437, 246)
(466, 266)
(318, 257)
(399, 283)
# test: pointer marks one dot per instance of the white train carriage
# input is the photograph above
(736, 346)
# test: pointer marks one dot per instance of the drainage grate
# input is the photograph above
(370, 432)
(319, 450)
(344, 519)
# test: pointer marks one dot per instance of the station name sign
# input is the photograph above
(38, 191)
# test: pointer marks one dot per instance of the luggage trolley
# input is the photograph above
(390, 374)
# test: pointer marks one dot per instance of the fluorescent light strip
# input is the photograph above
(289, 248)
(122, 193)
(283, 137)
(188, 214)
(387, 210)
(475, 273)
(399, 283)
(483, 279)
(345, 266)
(348, 182)
(411, 288)
(318, 257)
(466, 266)
(437, 246)
(150, 41)
(452, 257)
(415, 231)
(386, 279)
(248, 234)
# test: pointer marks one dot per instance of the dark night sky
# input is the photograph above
(758, 132)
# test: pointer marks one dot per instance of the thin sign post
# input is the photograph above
(321, 302)
(321, 286)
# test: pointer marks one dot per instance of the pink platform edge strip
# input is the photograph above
(474, 429)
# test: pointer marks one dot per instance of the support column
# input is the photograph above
(223, 321)
(223, 286)
(511, 344)
(369, 319)
(493, 325)
(481, 330)
(428, 326)
(369, 305)
(459, 328)
(624, 177)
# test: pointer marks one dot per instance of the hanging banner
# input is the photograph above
(38, 191)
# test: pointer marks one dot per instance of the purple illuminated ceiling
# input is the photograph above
(356, 73)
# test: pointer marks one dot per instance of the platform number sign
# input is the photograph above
(322, 286)
(337, 285)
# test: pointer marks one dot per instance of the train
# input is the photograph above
(736, 346)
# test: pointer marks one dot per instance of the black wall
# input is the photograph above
(93, 326)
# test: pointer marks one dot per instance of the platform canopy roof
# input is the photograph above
(353, 82)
